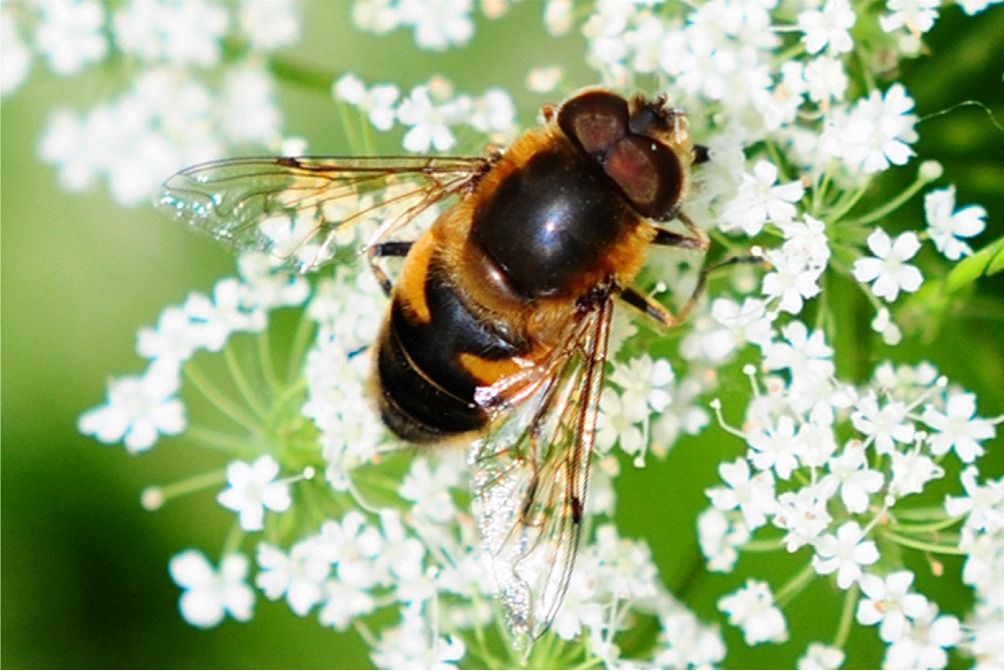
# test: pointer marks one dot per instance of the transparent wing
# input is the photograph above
(306, 212)
(530, 473)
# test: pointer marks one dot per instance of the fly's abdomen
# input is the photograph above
(435, 350)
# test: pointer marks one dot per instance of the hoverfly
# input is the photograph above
(498, 324)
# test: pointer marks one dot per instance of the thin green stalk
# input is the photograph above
(894, 204)
(304, 331)
(906, 541)
(244, 386)
(795, 585)
(300, 74)
(267, 365)
(223, 441)
(930, 527)
(847, 615)
(220, 400)
(196, 483)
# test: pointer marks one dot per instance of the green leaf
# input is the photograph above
(986, 262)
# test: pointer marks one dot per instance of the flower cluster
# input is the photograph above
(836, 469)
(201, 86)
(430, 111)
(799, 117)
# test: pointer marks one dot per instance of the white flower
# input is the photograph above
(438, 23)
(684, 643)
(887, 270)
(774, 447)
(829, 26)
(803, 513)
(644, 385)
(915, 15)
(71, 34)
(877, 131)
(983, 507)
(377, 102)
(175, 32)
(792, 279)
(719, 536)
(494, 112)
(945, 225)
(820, 656)
(958, 427)
(248, 110)
(427, 485)
(252, 490)
(266, 287)
(138, 410)
(16, 60)
(299, 575)
(752, 609)
(805, 355)
(160, 124)
(883, 324)
(844, 553)
(753, 496)
(985, 639)
(343, 602)
(617, 425)
(173, 339)
(856, 480)
(972, 7)
(430, 122)
(890, 602)
(411, 645)
(760, 199)
(216, 318)
(924, 642)
(825, 79)
(401, 560)
(806, 238)
(270, 25)
(984, 566)
(354, 546)
(209, 595)
(743, 323)
(884, 426)
(911, 471)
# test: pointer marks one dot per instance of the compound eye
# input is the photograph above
(648, 173)
(596, 120)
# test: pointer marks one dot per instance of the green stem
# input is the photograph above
(193, 484)
(243, 384)
(931, 527)
(233, 540)
(219, 399)
(906, 541)
(845, 205)
(795, 585)
(763, 545)
(895, 203)
(847, 615)
(301, 74)
(304, 331)
(223, 441)
(267, 365)
(926, 513)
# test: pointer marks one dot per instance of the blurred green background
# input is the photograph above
(84, 580)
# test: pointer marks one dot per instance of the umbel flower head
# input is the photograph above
(852, 469)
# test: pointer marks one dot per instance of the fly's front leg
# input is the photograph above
(696, 238)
